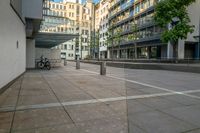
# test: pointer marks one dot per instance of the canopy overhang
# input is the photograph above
(49, 40)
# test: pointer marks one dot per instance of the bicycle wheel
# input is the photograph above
(48, 65)
(40, 65)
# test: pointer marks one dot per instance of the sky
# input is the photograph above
(83, 0)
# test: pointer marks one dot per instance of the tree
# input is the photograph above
(96, 46)
(118, 37)
(174, 13)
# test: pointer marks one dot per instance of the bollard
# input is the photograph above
(77, 64)
(103, 68)
(65, 62)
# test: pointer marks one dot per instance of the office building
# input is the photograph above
(141, 37)
(72, 18)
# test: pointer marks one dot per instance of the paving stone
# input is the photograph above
(39, 99)
(133, 106)
(159, 103)
(30, 119)
(190, 114)
(157, 122)
(63, 128)
(184, 100)
(5, 122)
(106, 125)
(80, 113)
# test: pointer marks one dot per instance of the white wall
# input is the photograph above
(12, 59)
(48, 53)
(30, 53)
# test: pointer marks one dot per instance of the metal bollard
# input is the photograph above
(77, 64)
(103, 68)
(65, 62)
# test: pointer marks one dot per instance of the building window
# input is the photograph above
(65, 46)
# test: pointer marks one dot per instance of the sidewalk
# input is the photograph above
(65, 100)
(45, 102)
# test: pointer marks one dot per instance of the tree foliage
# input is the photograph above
(165, 13)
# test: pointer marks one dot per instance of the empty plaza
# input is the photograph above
(66, 100)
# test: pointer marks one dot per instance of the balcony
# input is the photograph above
(129, 17)
(142, 38)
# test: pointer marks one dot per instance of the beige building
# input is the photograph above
(72, 18)
(101, 25)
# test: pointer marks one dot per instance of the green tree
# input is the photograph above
(174, 13)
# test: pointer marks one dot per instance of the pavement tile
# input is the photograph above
(5, 122)
(105, 125)
(119, 107)
(190, 114)
(194, 131)
(133, 106)
(184, 100)
(62, 128)
(158, 103)
(39, 99)
(30, 119)
(157, 122)
(80, 113)
(35, 92)
(8, 101)
(78, 96)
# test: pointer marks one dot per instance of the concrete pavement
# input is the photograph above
(66, 100)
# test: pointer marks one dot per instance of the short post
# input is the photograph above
(65, 62)
(77, 63)
(103, 68)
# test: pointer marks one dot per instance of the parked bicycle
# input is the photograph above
(44, 63)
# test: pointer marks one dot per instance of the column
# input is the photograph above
(148, 52)
(30, 53)
(136, 55)
(169, 50)
(181, 49)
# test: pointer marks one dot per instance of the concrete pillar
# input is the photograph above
(30, 53)
(169, 50)
(118, 54)
(65, 62)
(181, 49)
(136, 54)
(148, 52)
(108, 54)
(103, 68)
(77, 63)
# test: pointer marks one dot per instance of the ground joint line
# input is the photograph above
(82, 102)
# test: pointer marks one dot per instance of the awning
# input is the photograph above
(49, 40)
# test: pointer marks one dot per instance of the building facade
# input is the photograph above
(101, 25)
(20, 20)
(72, 18)
(140, 37)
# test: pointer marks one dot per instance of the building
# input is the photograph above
(140, 37)
(20, 20)
(21, 41)
(103, 28)
(72, 18)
